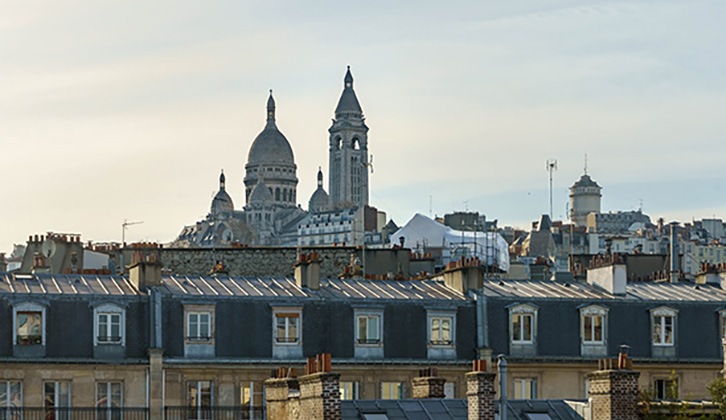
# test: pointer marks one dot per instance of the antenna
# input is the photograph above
(585, 163)
(124, 226)
(551, 168)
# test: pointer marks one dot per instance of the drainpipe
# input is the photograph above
(502, 364)
(674, 254)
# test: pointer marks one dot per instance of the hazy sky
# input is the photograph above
(113, 110)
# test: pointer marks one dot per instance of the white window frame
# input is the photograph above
(198, 335)
(199, 407)
(521, 383)
(439, 316)
(286, 312)
(193, 337)
(108, 310)
(354, 390)
(658, 319)
(523, 309)
(368, 314)
(401, 388)
(58, 406)
(29, 306)
(593, 311)
(9, 404)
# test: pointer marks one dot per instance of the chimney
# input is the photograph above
(319, 390)
(502, 365)
(307, 271)
(673, 252)
(428, 384)
(464, 275)
(282, 395)
(145, 273)
(614, 389)
(3, 264)
(480, 392)
(608, 273)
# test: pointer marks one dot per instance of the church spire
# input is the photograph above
(348, 80)
(320, 177)
(222, 180)
(271, 108)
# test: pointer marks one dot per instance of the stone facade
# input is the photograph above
(480, 395)
(614, 394)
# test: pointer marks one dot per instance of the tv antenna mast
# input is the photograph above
(551, 168)
(125, 226)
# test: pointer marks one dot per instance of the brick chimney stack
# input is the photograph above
(145, 272)
(319, 390)
(464, 274)
(480, 392)
(614, 389)
(428, 384)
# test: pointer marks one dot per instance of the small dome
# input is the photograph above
(319, 201)
(585, 181)
(271, 146)
(221, 201)
(260, 194)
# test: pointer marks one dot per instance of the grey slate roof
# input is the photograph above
(224, 286)
(532, 289)
(454, 409)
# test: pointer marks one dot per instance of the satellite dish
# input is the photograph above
(48, 248)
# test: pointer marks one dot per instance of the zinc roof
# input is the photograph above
(224, 286)
(533, 289)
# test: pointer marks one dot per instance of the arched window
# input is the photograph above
(337, 143)
(277, 194)
(355, 145)
(284, 195)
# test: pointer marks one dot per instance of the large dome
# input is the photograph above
(270, 146)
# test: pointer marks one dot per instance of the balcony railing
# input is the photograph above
(73, 413)
(214, 413)
(131, 413)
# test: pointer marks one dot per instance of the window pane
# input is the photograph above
(193, 325)
(446, 330)
(435, 330)
(29, 328)
(668, 327)
(373, 328)
(292, 329)
(516, 327)
(362, 327)
(49, 391)
(527, 327)
(245, 393)
(102, 326)
(280, 329)
(598, 325)
(204, 330)
(588, 328)
(102, 394)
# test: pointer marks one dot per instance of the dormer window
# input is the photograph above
(593, 330)
(29, 333)
(523, 329)
(663, 331)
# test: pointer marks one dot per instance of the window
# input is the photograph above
(593, 325)
(525, 388)
(287, 328)
(57, 400)
(199, 400)
(11, 395)
(441, 330)
(523, 324)
(665, 389)
(348, 390)
(663, 326)
(391, 390)
(109, 324)
(252, 400)
(199, 326)
(109, 400)
(28, 328)
(369, 331)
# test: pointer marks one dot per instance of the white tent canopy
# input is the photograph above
(422, 231)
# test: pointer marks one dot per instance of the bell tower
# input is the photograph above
(348, 180)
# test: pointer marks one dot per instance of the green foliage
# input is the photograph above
(717, 389)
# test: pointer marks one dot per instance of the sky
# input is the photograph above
(128, 110)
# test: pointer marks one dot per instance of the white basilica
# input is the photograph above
(272, 215)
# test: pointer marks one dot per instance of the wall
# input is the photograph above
(273, 262)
